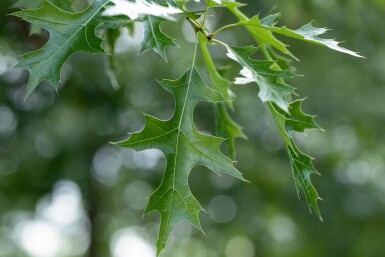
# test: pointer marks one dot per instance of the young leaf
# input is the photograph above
(154, 38)
(301, 164)
(306, 33)
(184, 148)
(69, 33)
(270, 81)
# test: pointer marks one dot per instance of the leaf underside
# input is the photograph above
(184, 148)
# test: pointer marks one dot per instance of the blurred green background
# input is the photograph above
(65, 191)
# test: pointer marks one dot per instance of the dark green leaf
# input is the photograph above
(184, 148)
(69, 33)
(301, 164)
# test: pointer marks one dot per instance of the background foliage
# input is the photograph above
(86, 198)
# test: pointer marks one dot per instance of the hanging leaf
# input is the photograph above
(301, 164)
(69, 33)
(184, 148)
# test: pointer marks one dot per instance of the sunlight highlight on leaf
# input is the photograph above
(140, 8)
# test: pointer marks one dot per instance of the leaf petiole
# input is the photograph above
(197, 27)
(225, 27)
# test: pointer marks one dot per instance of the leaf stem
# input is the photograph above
(219, 42)
(225, 27)
(198, 27)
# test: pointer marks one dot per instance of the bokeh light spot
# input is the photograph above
(222, 209)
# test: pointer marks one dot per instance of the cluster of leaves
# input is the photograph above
(179, 140)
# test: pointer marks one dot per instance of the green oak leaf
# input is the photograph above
(262, 36)
(270, 80)
(281, 62)
(307, 33)
(297, 120)
(69, 33)
(184, 148)
(301, 164)
(154, 38)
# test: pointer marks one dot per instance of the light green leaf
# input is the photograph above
(154, 38)
(306, 33)
(224, 125)
(69, 33)
(218, 83)
(270, 81)
(184, 148)
(301, 164)
(260, 35)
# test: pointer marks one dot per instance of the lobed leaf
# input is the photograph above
(307, 33)
(260, 35)
(154, 38)
(184, 148)
(69, 33)
(301, 164)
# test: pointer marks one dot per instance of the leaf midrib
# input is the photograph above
(177, 143)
